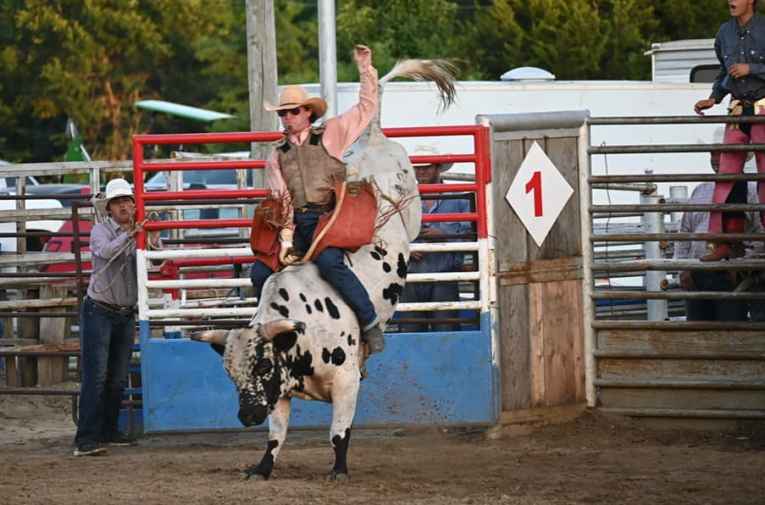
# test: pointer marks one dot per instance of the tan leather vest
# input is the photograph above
(309, 170)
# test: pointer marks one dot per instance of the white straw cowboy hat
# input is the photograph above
(428, 150)
(117, 188)
(295, 96)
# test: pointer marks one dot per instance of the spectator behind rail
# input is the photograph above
(699, 280)
(420, 262)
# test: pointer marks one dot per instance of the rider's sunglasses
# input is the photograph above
(294, 111)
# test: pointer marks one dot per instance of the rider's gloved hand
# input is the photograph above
(286, 250)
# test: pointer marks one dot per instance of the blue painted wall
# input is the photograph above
(421, 378)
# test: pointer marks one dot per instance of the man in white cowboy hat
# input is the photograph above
(107, 323)
(430, 173)
(304, 165)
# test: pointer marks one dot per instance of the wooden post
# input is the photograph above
(52, 369)
(28, 327)
(262, 73)
(539, 287)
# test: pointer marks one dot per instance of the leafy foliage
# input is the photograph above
(92, 59)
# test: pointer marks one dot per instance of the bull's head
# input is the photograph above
(256, 360)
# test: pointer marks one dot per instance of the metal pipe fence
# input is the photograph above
(620, 338)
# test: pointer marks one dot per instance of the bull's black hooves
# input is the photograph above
(338, 477)
(252, 473)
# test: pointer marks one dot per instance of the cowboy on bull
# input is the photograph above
(302, 168)
(740, 47)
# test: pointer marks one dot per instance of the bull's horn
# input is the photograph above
(211, 336)
(269, 330)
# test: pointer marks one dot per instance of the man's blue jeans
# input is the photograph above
(430, 292)
(106, 339)
(331, 267)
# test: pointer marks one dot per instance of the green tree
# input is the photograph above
(92, 60)
(396, 29)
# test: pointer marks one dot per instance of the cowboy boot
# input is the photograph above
(728, 249)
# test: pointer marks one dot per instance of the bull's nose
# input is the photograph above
(250, 416)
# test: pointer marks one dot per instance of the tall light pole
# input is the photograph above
(328, 55)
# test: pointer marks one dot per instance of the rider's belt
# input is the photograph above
(119, 309)
(312, 207)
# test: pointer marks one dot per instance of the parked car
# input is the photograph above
(36, 243)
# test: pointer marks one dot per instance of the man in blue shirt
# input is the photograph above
(420, 262)
(740, 48)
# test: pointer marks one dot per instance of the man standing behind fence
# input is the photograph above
(107, 323)
(430, 173)
(700, 280)
(740, 47)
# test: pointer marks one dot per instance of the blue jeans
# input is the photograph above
(332, 269)
(106, 339)
(430, 292)
(714, 310)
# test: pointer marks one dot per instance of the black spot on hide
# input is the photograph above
(283, 293)
(380, 250)
(351, 340)
(376, 255)
(318, 305)
(281, 309)
(308, 308)
(401, 267)
(300, 365)
(336, 357)
(303, 298)
(334, 313)
(386, 267)
(392, 292)
(283, 342)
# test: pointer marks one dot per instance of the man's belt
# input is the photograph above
(119, 309)
(738, 107)
(313, 207)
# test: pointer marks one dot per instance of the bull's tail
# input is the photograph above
(441, 72)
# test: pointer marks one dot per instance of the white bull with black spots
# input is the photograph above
(304, 341)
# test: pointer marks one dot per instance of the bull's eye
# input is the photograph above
(262, 367)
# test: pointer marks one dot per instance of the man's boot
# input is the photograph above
(374, 338)
(728, 249)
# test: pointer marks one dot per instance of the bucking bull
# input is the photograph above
(304, 341)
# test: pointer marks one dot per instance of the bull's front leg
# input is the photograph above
(345, 391)
(277, 434)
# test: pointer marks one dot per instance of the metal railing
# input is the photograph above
(186, 258)
(644, 343)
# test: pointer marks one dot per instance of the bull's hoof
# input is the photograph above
(252, 473)
(338, 477)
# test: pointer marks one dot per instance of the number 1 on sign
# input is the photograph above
(535, 185)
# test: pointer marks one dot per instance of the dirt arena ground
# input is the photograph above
(593, 460)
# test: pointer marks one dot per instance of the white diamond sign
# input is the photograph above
(538, 193)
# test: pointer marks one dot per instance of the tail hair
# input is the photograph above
(441, 72)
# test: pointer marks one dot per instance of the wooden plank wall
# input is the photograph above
(539, 288)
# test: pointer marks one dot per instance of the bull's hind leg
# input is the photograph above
(345, 391)
(277, 433)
